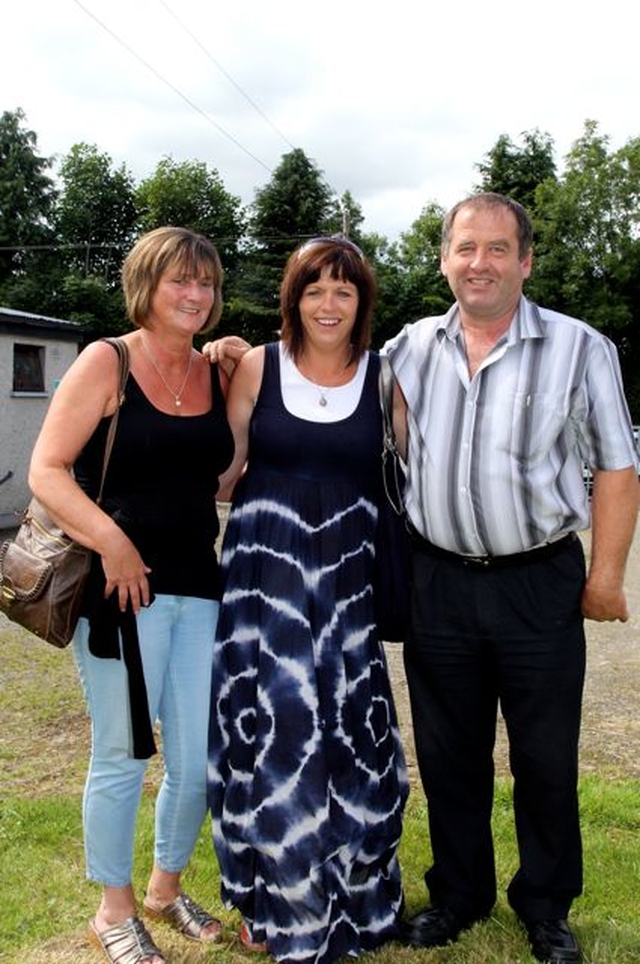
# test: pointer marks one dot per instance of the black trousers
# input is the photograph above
(514, 638)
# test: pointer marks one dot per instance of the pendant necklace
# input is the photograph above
(324, 390)
(177, 396)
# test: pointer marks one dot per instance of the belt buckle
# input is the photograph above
(479, 561)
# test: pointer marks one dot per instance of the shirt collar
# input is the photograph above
(526, 323)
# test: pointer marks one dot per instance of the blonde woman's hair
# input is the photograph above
(164, 248)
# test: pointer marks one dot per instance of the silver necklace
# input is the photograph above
(177, 396)
(324, 390)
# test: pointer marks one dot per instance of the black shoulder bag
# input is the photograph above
(392, 568)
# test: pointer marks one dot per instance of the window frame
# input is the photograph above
(28, 372)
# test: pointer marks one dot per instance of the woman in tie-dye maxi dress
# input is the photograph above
(307, 782)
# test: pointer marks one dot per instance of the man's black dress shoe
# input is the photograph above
(433, 927)
(553, 942)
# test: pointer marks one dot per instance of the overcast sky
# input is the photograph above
(395, 102)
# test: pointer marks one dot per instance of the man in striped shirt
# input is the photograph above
(504, 400)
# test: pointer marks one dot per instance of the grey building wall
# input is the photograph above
(22, 413)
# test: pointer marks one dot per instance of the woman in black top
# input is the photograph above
(144, 645)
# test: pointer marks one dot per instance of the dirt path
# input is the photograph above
(56, 748)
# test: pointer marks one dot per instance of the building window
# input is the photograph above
(28, 368)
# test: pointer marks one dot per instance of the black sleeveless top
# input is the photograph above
(343, 452)
(161, 485)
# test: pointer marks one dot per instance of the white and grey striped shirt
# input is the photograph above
(495, 462)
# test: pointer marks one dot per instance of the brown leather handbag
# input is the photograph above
(43, 572)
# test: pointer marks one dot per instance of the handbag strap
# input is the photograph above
(123, 358)
(393, 475)
(386, 402)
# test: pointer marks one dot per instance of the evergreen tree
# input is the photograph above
(294, 205)
(517, 171)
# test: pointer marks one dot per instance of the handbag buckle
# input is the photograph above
(8, 594)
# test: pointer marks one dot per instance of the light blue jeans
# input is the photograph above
(176, 643)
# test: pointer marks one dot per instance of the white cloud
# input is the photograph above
(397, 104)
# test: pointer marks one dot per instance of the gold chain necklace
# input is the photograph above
(177, 396)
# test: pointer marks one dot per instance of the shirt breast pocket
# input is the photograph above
(539, 421)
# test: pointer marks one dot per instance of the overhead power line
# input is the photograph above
(175, 89)
(83, 245)
(226, 73)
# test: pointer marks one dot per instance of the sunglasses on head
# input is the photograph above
(337, 239)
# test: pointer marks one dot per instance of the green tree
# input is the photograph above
(96, 212)
(346, 218)
(517, 171)
(587, 260)
(422, 290)
(95, 304)
(383, 256)
(188, 194)
(95, 219)
(27, 194)
(294, 205)
(588, 233)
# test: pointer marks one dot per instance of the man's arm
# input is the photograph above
(614, 511)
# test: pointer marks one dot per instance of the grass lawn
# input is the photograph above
(46, 903)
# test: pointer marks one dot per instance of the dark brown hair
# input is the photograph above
(346, 263)
(489, 199)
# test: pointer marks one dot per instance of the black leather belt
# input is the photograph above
(495, 562)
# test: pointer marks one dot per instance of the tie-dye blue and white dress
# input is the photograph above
(307, 780)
